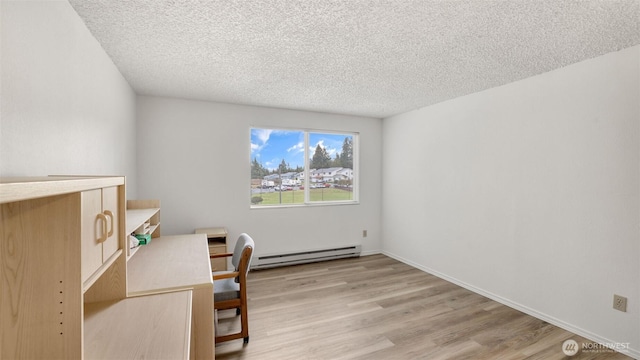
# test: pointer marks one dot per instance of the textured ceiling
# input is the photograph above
(363, 57)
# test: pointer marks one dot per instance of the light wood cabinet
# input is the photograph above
(40, 304)
(63, 276)
(100, 228)
(54, 250)
(217, 240)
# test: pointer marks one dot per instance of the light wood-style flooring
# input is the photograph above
(375, 307)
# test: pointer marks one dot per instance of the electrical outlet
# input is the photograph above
(364, 233)
(620, 303)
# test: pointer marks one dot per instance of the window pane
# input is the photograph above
(330, 167)
(277, 167)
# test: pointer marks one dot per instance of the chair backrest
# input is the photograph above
(244, 241)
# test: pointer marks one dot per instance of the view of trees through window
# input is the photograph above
(278, 165)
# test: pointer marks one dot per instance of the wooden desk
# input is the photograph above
(213, 233)
(217, 238)
(150, 327)
(174, 263)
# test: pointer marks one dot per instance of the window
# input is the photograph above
(301, 167)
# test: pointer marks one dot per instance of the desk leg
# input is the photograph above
(203, 322)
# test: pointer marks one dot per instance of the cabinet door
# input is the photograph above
(92, 232)
(99, 228)
(110, 210)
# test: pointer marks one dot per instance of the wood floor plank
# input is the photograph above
(375, 307)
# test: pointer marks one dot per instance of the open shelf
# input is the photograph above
(143, 217)
(137, 217)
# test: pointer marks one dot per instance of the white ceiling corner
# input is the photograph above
(362, 57)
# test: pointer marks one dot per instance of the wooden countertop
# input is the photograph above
(213, 232)
(170, 263)
(147, 327)
(25, 188)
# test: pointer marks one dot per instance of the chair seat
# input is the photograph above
(225, 289)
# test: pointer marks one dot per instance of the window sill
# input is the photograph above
(328, 203)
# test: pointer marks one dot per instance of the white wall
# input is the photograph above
(65, 107)
(195, 157)
(528, 193)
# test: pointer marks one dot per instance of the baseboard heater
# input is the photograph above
(270, 261)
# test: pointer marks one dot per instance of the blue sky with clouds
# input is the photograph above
(270, 146)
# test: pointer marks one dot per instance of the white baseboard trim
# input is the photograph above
(635, 353)
(371, 252)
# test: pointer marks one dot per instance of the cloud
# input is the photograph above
(262, 137)
(263, 134)
(299, 147)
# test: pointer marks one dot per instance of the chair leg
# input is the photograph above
(244, 321)
(244, 326)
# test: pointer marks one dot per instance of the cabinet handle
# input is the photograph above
(103, 237)
(110, 215)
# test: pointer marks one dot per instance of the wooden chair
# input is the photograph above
(230, 287)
